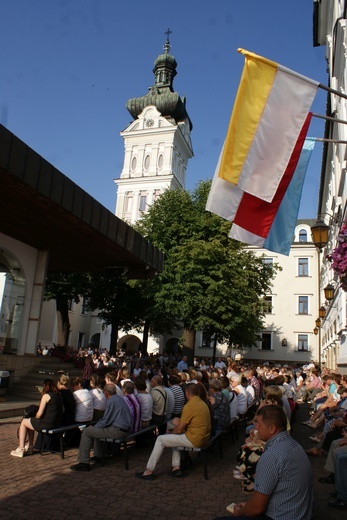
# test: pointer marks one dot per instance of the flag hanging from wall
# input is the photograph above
(258, 168)
(270, 109)
(280, 219)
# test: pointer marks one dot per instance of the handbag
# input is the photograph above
(30, 411)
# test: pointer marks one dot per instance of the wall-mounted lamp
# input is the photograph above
(315, 331)
(284, 342)
(318, 322)
(320, 234)
(322, 312)
(329, 292)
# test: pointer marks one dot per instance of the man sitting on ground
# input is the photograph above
(193, 429)
(115, 424)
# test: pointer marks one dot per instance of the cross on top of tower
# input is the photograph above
(167, 45)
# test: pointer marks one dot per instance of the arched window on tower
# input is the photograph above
(302, 235)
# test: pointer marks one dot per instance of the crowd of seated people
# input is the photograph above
(328, 419)
(153, 389)
(328, 411)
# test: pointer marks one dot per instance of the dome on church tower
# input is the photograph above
(161, 94)
(166, 60)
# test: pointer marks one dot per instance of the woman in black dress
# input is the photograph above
(49, 415)
(69, 403)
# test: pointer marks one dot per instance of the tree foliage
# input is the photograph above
(209, 281)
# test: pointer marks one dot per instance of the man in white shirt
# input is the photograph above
(84, 401)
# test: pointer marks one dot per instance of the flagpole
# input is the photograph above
(329, 118)
(323, 140)
(332, 91)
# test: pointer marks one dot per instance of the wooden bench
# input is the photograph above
(204, 449)
(60, 433)
(130, 438)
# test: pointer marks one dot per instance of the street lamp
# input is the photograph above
(320, 234)
(329, 292)
(322, 312)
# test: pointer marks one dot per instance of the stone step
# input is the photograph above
(31, 384)
(32, 393)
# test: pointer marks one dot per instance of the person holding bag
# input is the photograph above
(49, 416)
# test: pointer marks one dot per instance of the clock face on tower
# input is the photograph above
(149, 123)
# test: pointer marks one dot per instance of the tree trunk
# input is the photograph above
(214, 349)
(188, 345)
(63, 322)
(145, 338)
(114, 337)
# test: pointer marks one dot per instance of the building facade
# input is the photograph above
(292, 305)
(330, 31)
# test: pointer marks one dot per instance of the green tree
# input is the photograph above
(209, 281)
(63, 287)
(119, 302)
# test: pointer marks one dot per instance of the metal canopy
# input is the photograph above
(46, 210)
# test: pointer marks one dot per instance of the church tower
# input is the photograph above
(157, 143)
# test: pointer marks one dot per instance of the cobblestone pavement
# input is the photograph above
(43, 487)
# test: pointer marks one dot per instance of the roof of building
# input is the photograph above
(309, 221)
(46, 210)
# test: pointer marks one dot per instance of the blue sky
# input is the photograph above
(69, 66)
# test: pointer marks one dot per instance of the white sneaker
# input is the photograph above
(238, 475)
(18, 452)
(28, 450)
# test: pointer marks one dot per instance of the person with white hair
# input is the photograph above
(235, 384)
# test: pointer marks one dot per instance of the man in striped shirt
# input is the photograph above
(178, 392)
(283, 487)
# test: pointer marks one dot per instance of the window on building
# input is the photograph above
(303, 305)
(133, 163)
(84, 305)
(71, 305)
(147, 162)
(207, 339)
(266, 341)
(303, 342)
(268, 304)
(268, 262)
(142, 205)
(81, 339)
(128, 202)
(302, 235)
(303, 266)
